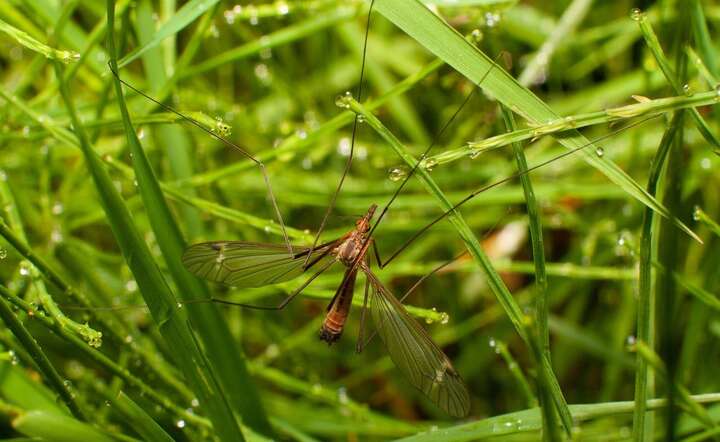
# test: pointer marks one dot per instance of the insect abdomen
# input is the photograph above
(332, 326)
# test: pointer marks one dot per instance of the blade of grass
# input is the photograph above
(102, 360)
(59, 428)
(433, 33)
(530, 420)
(541, 293)
(171, 321)
(46, 368)
(206, 318)
(139, 420)
(644, 382)
(37, 46)
(654, 45)
(182, 18)
(496, 283)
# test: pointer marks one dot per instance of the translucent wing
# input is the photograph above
(247, 264)
(414, 353)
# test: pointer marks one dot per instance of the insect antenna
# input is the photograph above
(333, 199)
(482, 189)
(434, 142)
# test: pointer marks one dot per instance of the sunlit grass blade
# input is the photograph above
(644, 380)
(182, 18)
(44, 425)
(512, 309)
(49, 372)
(137, 418)
(172, 322)
(433, 33)
(206, 318)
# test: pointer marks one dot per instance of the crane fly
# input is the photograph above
(248, 264)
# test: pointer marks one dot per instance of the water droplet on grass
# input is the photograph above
(397, 173)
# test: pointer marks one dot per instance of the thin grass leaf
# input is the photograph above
(137, 418)
(171, 322)
(59, 428)
(433, 33)
(671, 77)
(33, 348)
(542, 346)
(187, 14)
(644, 381)
(206, 318)
(530, 420)
(34, 45)
(512, 309)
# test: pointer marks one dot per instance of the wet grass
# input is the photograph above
(587, 302)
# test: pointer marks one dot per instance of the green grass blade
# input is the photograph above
(530, 421)
(512, 309)
(206, 318)
(137, 418)
(670, 75)
(34, 45)
(38, 355)
(433, 33)
(542, 346)
(183, 18)
(58, 428)
(644, 383)
(172, 322)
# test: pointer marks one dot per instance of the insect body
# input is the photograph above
(245, 264)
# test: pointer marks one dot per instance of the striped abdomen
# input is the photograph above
(339, 308)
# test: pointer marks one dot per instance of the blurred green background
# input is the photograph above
(629, 294)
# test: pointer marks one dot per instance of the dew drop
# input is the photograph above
(397, 173)
(636, 14)
(180, 423)
(492, 342)
(444, 318)
(600, 152)
(430, 163)
(344, 146)
(687, 90)
(491, 19)
(360, 118)
(697, 213)
(343, 100)
(717, 90)
(194, 403)
(141, 133)
(631, 340)
(342, 395)
(3, 253)
(282, 8)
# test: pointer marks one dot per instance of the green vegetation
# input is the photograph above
(586, 306)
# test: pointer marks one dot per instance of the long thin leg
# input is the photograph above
(482, 189)
(434, 142)
(223, 140)
(360, 346)
(280, 306)
(331, 205)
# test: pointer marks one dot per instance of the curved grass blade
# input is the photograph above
(246, 264)
(414, 353)
(182, 18)
(498, 287)
(437, 36)
(206, 319)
